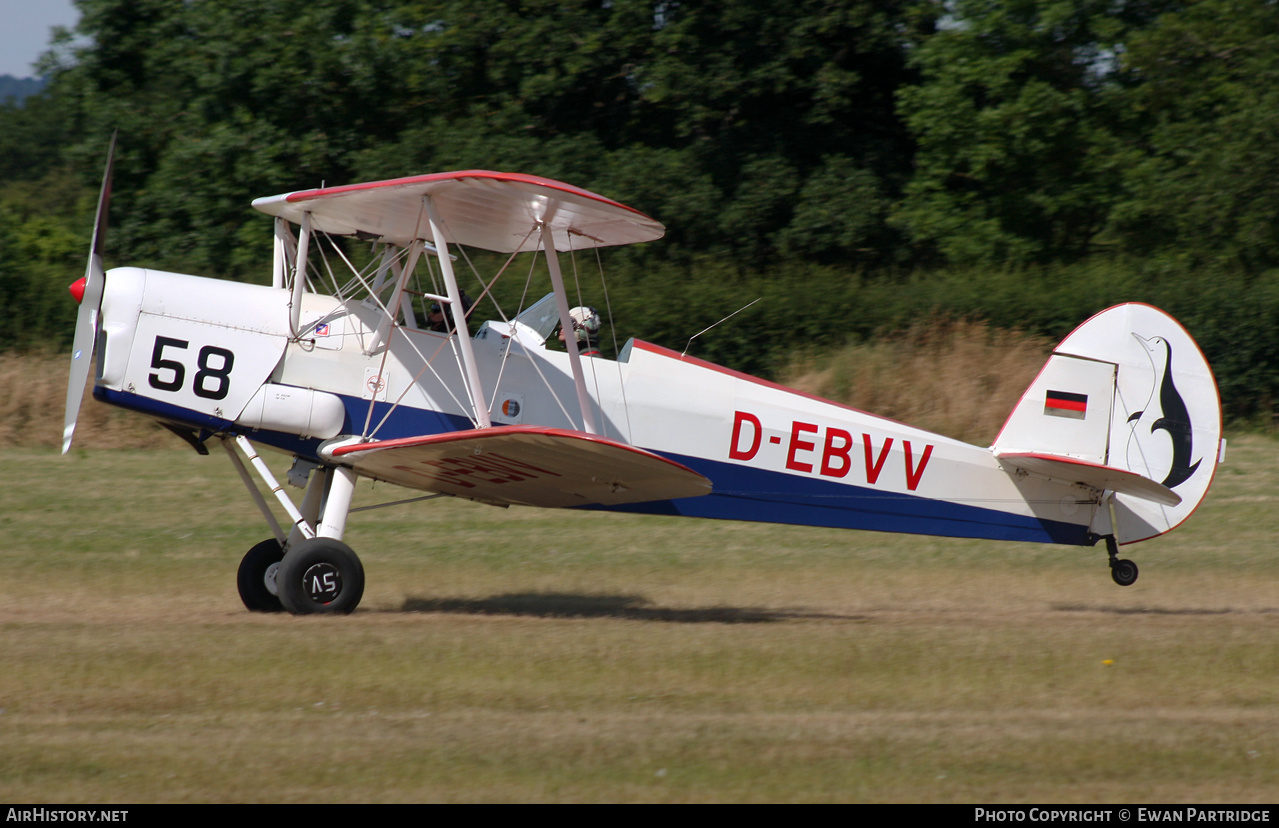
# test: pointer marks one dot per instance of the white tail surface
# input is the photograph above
(1129, 390)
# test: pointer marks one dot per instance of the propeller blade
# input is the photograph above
(86, 325)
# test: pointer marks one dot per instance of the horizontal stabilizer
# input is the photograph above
(1073, 470)
(526, 465)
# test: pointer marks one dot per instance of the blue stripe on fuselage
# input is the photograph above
(402, 422)
(752, 494)
(740, 492)
(161, 410)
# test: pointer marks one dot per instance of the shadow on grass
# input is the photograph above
(1157, 610)
(631, 607)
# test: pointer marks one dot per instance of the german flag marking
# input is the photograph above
(1066, 404)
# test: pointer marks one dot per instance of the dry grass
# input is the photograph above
(33, 397)
(954, 377)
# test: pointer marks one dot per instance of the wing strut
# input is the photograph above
(382, 336)
(299, 522)
(286, 249)
(299, 276)
(459, 314)
(566, 325)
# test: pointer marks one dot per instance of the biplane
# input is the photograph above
(335, 364)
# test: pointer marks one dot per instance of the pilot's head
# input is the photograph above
(437, 316)
(586, 324)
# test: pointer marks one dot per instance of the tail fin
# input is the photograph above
(1128, 393)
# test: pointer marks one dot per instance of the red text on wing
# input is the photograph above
(492, 468)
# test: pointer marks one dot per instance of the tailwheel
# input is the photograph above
(1122, 570)
(256, 578)
(320, 575)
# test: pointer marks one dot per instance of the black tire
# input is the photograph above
(1124, 572)
(255, 570)
(320, 575)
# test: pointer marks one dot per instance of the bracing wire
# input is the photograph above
(612, 329)
(577, 284)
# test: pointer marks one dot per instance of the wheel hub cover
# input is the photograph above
(322, 583)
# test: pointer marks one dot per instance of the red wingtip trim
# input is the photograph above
(77, 290)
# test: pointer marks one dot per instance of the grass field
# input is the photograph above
(523, 655)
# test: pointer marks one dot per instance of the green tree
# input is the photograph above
(217, 102)
(33, 136)
(1206, 117)
(44, 230)
(739, 104)
(1019, 153)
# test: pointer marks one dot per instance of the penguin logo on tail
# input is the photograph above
(1170, 415)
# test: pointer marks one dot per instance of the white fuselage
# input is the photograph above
(220, 356)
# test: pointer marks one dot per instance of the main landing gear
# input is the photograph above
(320, 575)
(1122, 570)
(309, 570)
(317, 575)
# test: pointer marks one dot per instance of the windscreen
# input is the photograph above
(542, 316)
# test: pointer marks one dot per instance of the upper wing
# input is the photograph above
(1072, 470)
(526, 465)
(490, 210)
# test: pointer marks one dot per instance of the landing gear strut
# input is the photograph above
(307, 569)
(1122, 570)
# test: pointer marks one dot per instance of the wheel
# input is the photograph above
(1124, 572)
(320, 575)
(256, 578)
